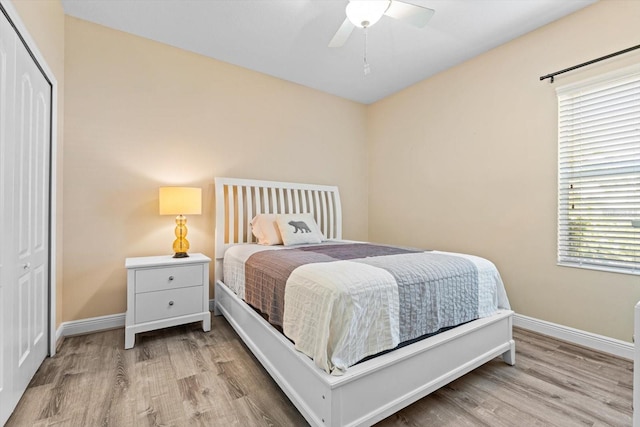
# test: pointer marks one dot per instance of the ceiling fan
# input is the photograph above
(365, 13)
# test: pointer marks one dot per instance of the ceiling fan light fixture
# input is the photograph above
(365, 13)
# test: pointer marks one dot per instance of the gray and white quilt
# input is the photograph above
(340, 302)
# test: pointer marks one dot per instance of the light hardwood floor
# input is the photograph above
(181, 377)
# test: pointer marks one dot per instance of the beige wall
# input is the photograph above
(463, 161)
(466, 161)
(44, 20)
(141, 115)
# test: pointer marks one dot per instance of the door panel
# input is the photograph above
(40, 233)
(8, 396)
(23, 163)
(41, 293)
(31, 214)
(25, 141)
(23, 325)
(3, 126)
(41, 199)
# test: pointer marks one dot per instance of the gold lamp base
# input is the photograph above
(181, 255)
(181, 244)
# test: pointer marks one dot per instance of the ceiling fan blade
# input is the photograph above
(342, 35)
(411, 14)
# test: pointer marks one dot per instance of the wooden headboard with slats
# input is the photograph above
(238, 201)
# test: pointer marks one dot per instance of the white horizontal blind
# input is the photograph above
(599, 173)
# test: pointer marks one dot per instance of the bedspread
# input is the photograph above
(341, 302)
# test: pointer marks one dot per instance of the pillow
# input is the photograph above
(297, 229)
(265, 229)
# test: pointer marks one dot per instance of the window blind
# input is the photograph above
(599, 173)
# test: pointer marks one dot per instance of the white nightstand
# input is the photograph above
(163, 291)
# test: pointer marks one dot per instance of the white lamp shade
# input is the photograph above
(180, 201)
(365, 13)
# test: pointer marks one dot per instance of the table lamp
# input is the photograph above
(180, 201)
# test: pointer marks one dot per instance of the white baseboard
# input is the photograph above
(576, 336)
(92, 324)
(59, 332)
(97, 324)
(586, 339)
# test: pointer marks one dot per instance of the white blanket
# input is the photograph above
(340, 312)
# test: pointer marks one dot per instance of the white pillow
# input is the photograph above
(297, 229)
(265, 229)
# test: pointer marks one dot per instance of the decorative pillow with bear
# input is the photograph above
(297, 229)
(265, 229)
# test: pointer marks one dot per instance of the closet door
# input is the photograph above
(8, 396)
(31, 213)
(26, 221)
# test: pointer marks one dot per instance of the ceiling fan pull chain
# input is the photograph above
(367, 67)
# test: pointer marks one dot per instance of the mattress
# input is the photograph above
(340, 301)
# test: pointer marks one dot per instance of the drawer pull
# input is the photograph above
(170, 278)
(170, 302)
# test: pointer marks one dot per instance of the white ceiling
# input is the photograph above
(288, 38)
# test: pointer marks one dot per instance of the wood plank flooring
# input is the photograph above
(183, 377)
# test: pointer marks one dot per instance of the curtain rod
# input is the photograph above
(611, 55)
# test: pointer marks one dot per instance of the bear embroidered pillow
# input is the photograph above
(297, 229)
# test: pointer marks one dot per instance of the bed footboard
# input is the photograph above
(377, 388)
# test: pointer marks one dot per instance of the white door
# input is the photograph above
(7, 56)
(31, 214)
(26, 125)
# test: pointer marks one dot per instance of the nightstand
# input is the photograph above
(163, 291)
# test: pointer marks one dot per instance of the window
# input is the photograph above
(599, 173)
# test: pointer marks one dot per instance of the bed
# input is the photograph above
(366, 392)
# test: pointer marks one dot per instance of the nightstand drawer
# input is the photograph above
(165, 304)
(157, 279)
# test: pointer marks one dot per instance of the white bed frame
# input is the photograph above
(369, 391)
